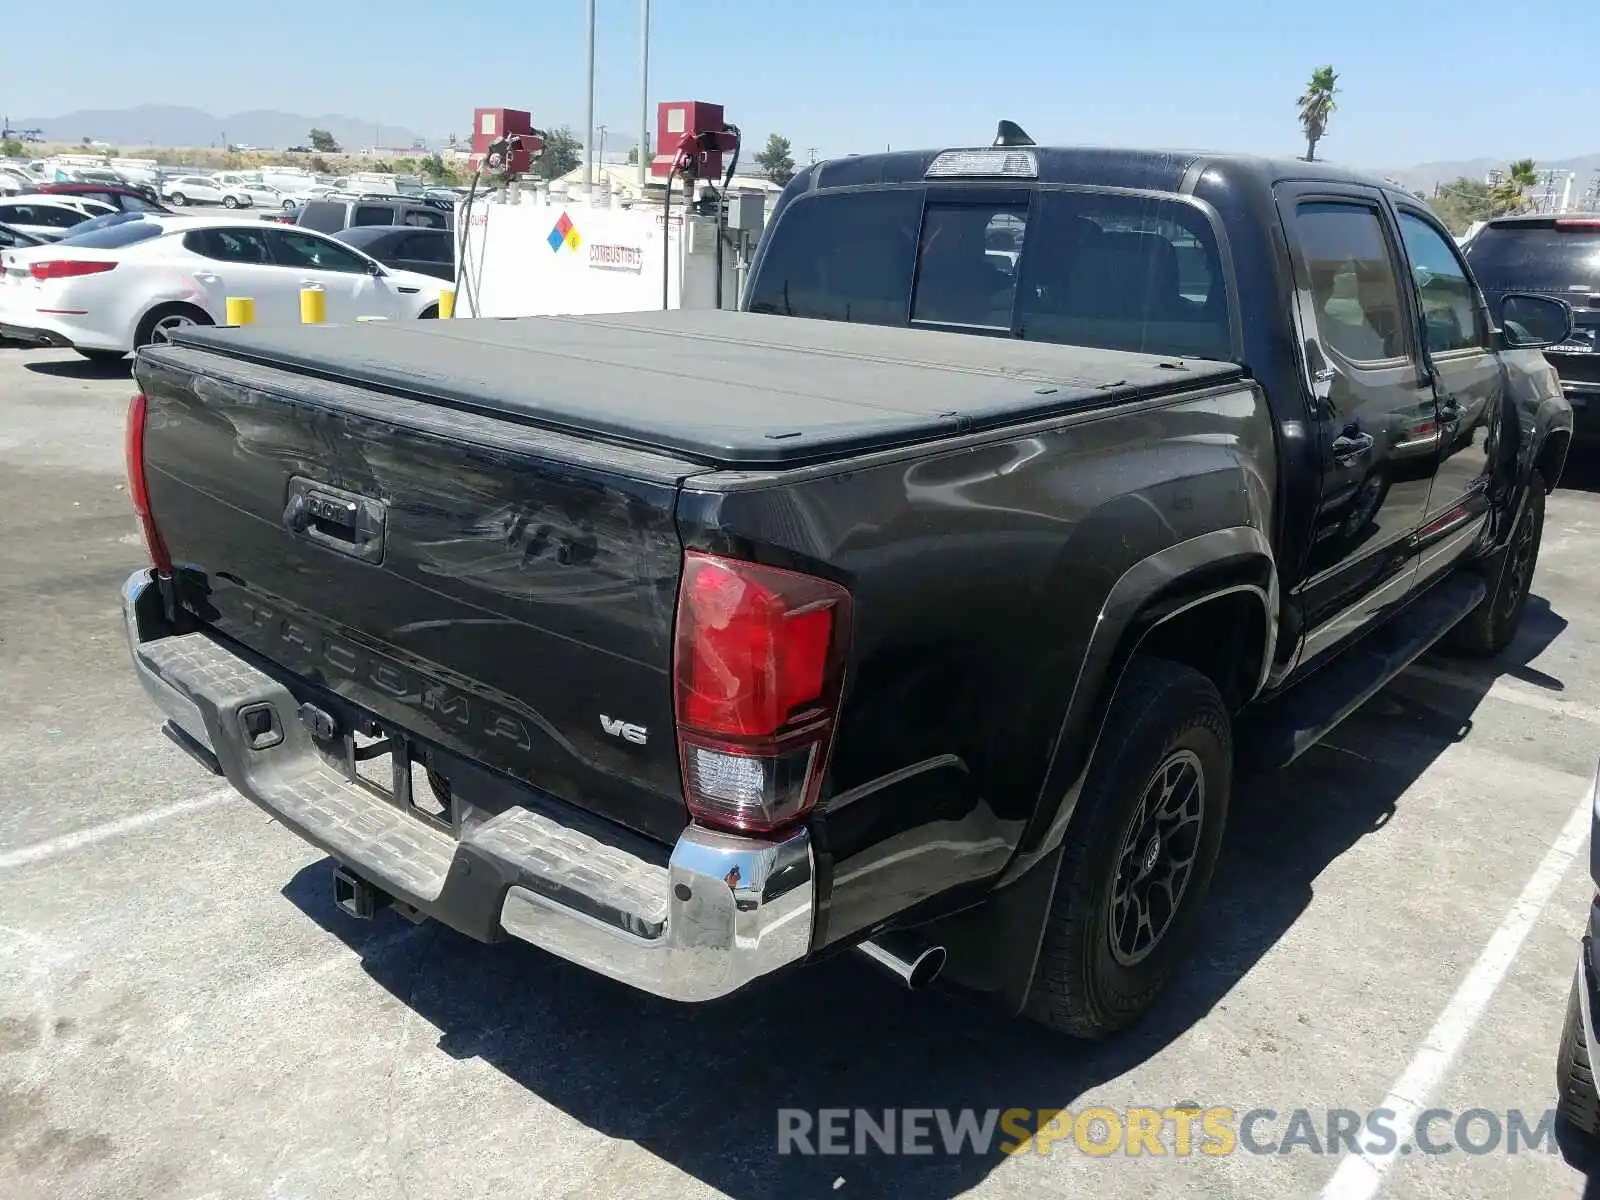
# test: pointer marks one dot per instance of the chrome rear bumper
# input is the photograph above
(722, 911)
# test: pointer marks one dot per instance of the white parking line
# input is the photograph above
(1511, 693)
(1361, 1176)
(54, 847)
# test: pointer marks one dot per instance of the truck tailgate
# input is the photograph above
(501, 591)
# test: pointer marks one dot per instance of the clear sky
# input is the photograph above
(1421, 81)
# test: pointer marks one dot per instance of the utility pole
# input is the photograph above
(602, 154)
(644, 94)
(811, 153)
(588, 117)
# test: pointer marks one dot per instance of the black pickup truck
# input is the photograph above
(923, 607)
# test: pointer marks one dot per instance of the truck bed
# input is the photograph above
(725, 389)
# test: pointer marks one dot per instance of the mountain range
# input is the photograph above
(1423, 176)
(176, 126)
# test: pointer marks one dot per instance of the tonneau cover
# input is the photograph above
(726, 388)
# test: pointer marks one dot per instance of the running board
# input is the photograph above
(1286, 726)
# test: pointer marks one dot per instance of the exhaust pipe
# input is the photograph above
(908, 958)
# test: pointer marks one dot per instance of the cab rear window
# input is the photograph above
(1081, 267)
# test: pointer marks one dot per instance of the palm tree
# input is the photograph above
(1316, 105)
(1509, 197)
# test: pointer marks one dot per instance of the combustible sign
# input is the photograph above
(616, 258)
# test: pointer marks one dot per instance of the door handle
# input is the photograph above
(205, 276)
(305, 283)
(1349, 446)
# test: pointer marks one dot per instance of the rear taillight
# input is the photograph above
(67, 268)
(1578, 222)
(759, 665)
(138, 489)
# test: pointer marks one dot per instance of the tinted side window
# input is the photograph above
(1449, 301)
(425, 218)
(841, 257)
(1352, 280)
(292, 249)
(325, 216)
(60, 218)
(229, 245)
(373, 214)
(424, 248)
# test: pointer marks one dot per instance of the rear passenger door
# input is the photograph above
(1467, 384)
(235, 261)
(1372, 409)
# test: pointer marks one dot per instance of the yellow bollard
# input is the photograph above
(447, 304)
(241, 310)
(313, 305)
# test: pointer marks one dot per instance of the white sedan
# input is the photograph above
(126, 285)
(48, 217)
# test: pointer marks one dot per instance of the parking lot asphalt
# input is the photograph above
(184, 1013)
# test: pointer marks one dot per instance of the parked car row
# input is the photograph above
(133, 279)
(232, 190)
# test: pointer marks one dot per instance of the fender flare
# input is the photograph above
(1100, 672)
(1023, 895)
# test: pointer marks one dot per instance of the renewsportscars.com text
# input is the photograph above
(1181, 1131)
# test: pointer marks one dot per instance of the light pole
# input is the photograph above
(644, 93)
(588, 120)
(602, 130)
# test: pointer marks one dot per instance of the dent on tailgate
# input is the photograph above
(524, 589)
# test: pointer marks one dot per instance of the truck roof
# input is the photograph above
(1103, 166)
(726, 388)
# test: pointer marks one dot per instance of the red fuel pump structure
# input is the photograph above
(507, 131)
(691, 139)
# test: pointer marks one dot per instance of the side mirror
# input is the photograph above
(1528, 322)
(376, 269)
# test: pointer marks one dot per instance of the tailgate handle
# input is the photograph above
(341, 521)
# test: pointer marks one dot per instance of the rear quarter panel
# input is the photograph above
(979, 570)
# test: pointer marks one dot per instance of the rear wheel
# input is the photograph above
(102, 356)
(430, 313)
(160, 323)
(179, 199)
(1490, 627)
(1577, 1101)
(229, 202)
(1139, 854)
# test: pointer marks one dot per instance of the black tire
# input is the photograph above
(156, 317)
(431, 313)
(229, 202)
(1490, 628)
(102, 356)
(1577, 1102)
(1166, 722)
(179, 199)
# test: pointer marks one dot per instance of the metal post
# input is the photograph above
(588, 120)
(644, 93)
